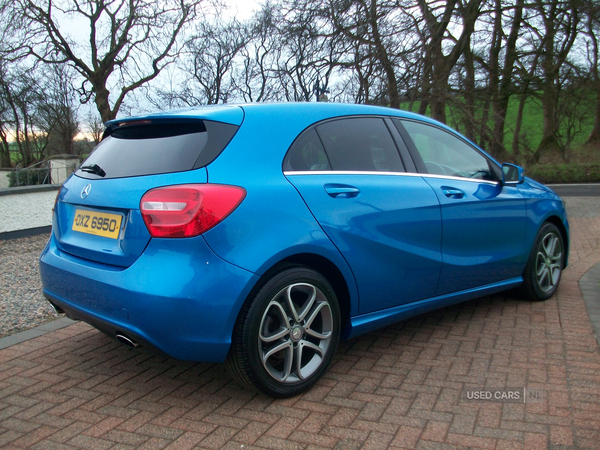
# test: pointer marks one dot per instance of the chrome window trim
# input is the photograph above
(395, 174)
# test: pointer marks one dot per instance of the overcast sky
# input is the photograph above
(242, 9)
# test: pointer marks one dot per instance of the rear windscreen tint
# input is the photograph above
(155, 148)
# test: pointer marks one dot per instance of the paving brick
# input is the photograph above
(124, 413)
(435, 431)
(378, 441)
(22, 426)
(278, 444)
(163, 432)
(30, 439)
(379, 426)
(136, 421)
(224, 420)
(193, 425)
(283, 428)
(186, 441)
(69, 431)
(314, 439)
(103, 426)
(470, 441)
(399, 387)
(561, 435)
(342, 434)
(258, 416)
(82, 415)
(407, 437)
(218, 438)
(252, 432)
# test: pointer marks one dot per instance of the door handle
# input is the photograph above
(452, 192)
(341, 190)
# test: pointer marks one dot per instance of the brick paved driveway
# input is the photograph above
(396, 388)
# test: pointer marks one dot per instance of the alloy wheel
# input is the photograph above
(295, 333)
(548, 265)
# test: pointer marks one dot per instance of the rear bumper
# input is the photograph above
(178, 298)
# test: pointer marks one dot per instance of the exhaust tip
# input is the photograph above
(56, 308)
(127, 341)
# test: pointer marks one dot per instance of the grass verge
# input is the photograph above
(565, 173)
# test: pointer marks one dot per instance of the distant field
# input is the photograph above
(531, 128)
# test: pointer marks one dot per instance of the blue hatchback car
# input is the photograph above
(261, 234)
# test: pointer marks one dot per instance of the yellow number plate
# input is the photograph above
(100, 224)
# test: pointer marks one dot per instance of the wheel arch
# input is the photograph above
(556, 221)
(322, 265)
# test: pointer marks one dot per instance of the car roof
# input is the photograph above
(308, 112)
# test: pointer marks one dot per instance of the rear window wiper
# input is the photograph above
(95, 169)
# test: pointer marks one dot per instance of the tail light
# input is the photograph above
(188, 210)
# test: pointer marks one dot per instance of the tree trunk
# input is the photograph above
(383, 57)
(595, 134)
(103, 105)
(502, 95)
(549, 99)
(469, 95)
(516, 137)
(594, 137)
(561, 28)
(4, 152)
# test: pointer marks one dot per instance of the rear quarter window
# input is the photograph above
(306, 153)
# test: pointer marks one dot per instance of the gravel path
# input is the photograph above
(22, 305)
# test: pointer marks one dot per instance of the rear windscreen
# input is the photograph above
(155, 148)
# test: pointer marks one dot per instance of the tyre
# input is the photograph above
(287, 333)
(544, 267)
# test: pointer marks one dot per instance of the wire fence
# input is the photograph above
(35, 174)
(44, 172)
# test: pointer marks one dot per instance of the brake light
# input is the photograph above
(188, 210)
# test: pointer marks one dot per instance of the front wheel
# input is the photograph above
(544, 267)
(287, 334)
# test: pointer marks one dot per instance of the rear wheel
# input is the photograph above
(286, 336)
(544, 267)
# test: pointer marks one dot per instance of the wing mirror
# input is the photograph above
(512, 174)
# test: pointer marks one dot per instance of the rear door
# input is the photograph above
(384, 221)
(483, 221)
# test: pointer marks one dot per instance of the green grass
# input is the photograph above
(565, 173)
(531, 127)
(584, 166)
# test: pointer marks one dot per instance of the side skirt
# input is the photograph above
(372, 321)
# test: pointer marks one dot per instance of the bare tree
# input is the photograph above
(442, 49)
(258, 58)
(556, 25)
(209, 63)
(57, 113)
(128, 42)
(593, 30)
(94, 127)
(20, 95)
(372, 30)
(498, 67)
(306, 57)
(5, 118)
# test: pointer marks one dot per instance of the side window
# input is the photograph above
(445, 154)
(306, 153)
(360, 144)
